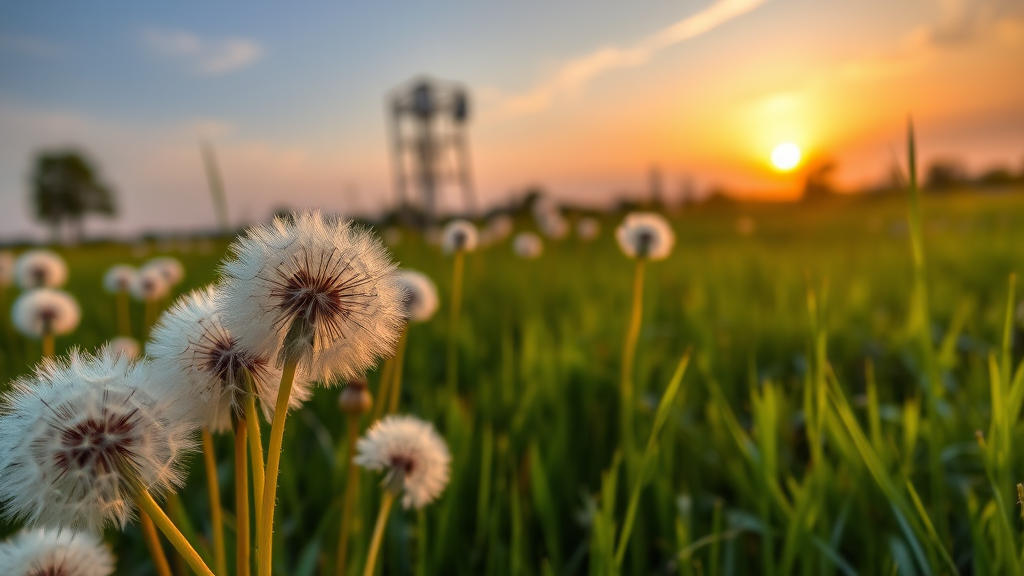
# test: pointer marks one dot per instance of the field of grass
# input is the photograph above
(844, 409)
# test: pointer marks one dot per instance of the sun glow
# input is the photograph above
(786, 156)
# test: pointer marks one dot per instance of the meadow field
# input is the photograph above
(849, 401)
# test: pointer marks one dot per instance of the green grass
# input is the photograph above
(830, 420)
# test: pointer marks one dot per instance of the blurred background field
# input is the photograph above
(754, 291)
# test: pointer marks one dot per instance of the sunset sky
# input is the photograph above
(581, 97)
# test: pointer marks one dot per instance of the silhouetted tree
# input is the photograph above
(66, 188)
(944, 175)
(998, 176)
(818, 184)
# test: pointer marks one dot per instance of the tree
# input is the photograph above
(945, 175)
(818, 184)
(66, 188)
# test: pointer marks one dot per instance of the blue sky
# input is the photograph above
(582, 97)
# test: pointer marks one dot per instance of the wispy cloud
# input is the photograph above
(966, 21)
(203, 56)
(574, 74)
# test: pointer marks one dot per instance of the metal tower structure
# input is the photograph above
(430, 151)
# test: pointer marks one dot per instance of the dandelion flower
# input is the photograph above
(420, 295)
(191, 346)
(83, 436)
(6, 268)
(40, 269)
(528, 245)
(45, 311)
(588, 228)
(170, 268)
(459, 236)
(645, 235)
(314, 289)
(119, 278)
(414, 458)
(55, 553)
(124, 346)
(150, 285)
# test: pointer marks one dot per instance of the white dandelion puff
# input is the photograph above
(191, 347)
(459, 236)
(499, 227)
(55, 553)
(588, 228)
(528, 245)
(544, 207)
(45, 311)
(6, 268)
(150, 285)
(119, 278)
(40, 269)
(421, 299)
(554, 226)
(315, 289)
(645, 235)
(414, 458)
(169, 267)
(124, 346)
(355, 399)
(83, 436)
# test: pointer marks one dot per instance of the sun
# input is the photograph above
(786, 156)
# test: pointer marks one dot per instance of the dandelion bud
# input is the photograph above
(459, 236)
(528, 245)
(40, 269)
(45, 311)
(355, 399)
(645, 235)
(414, 459)
(55, 553)
(420, 295)
(119, 278)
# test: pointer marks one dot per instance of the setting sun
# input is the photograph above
(785, 156)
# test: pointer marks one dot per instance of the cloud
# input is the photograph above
(963, 22)
(573, 75)
(203, 56)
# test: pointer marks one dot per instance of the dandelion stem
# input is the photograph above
(266, 528)
(453, 324)
(252, 422)
(351, 490)
(124, 324)
(150, 507)
(241, 502)
(396, 385)
(384, 389)
(48, 346)
(378, 532)
(628, 356)
(156, 550)
(216, 514)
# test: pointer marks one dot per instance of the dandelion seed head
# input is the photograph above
(500, 227)
(55, 553)
(528, 245)
(45, 310)
(191, 348)
(150, 285)
(421, 301)
(82, 435)
(119, 278)
(459, 236)
(645, 235)
(554, 226)
(169, 267)
(40, 269)
(315, 288)
(588, 228)
(355, 398)
(413, 457)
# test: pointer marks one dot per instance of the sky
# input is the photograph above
(581, 97)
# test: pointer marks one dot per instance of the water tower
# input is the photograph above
(429, 146)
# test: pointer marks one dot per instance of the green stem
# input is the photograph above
(628, 357)
(48, 345)
(252, 422)
(216, 514)
(378, 532)
(174, 536)
(266, 528)
(453, 325)
(123, 317)
(241, 502)
(384, 389)
(156, 550)
(396, 383)
(351, 490)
